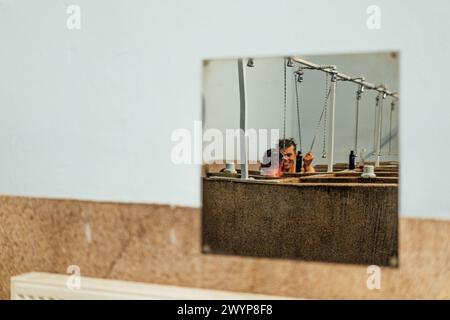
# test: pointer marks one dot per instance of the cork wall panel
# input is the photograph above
(161, 244)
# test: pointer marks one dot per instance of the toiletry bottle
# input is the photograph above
(351, 160)
(298, 163)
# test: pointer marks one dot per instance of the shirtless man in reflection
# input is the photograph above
(286, 156)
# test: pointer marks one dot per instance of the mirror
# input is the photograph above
(301, 157)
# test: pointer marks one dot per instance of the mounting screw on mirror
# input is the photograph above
(393, 261)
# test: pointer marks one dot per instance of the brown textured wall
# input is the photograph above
(339, 222)
(161, 244)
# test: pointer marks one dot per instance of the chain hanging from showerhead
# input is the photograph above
(299, 80)
(285, 102)
(358, 99)
(375, 125)
(325, 106)
(327, 90)
(390, 125)
(383, 96)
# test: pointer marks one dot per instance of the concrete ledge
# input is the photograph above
(340, 222)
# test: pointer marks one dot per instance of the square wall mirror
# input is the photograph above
(301, 157)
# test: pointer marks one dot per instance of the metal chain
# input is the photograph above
(358, 98)
(327, 84)
(284, 107)
(298, 114)
(390, 125)
(381, 123)
(375, 126)
(321, 117)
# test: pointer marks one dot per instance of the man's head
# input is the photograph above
(288, 150)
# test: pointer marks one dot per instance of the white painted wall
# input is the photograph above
(88, 114)
(265, 95)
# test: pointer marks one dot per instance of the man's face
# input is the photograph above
(288, 160)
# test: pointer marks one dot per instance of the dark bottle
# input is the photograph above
(298, 163)
(351, 160)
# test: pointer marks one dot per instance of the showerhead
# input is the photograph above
(290, 62)
(299, 74)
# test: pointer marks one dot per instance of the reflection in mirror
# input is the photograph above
(301, 158)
